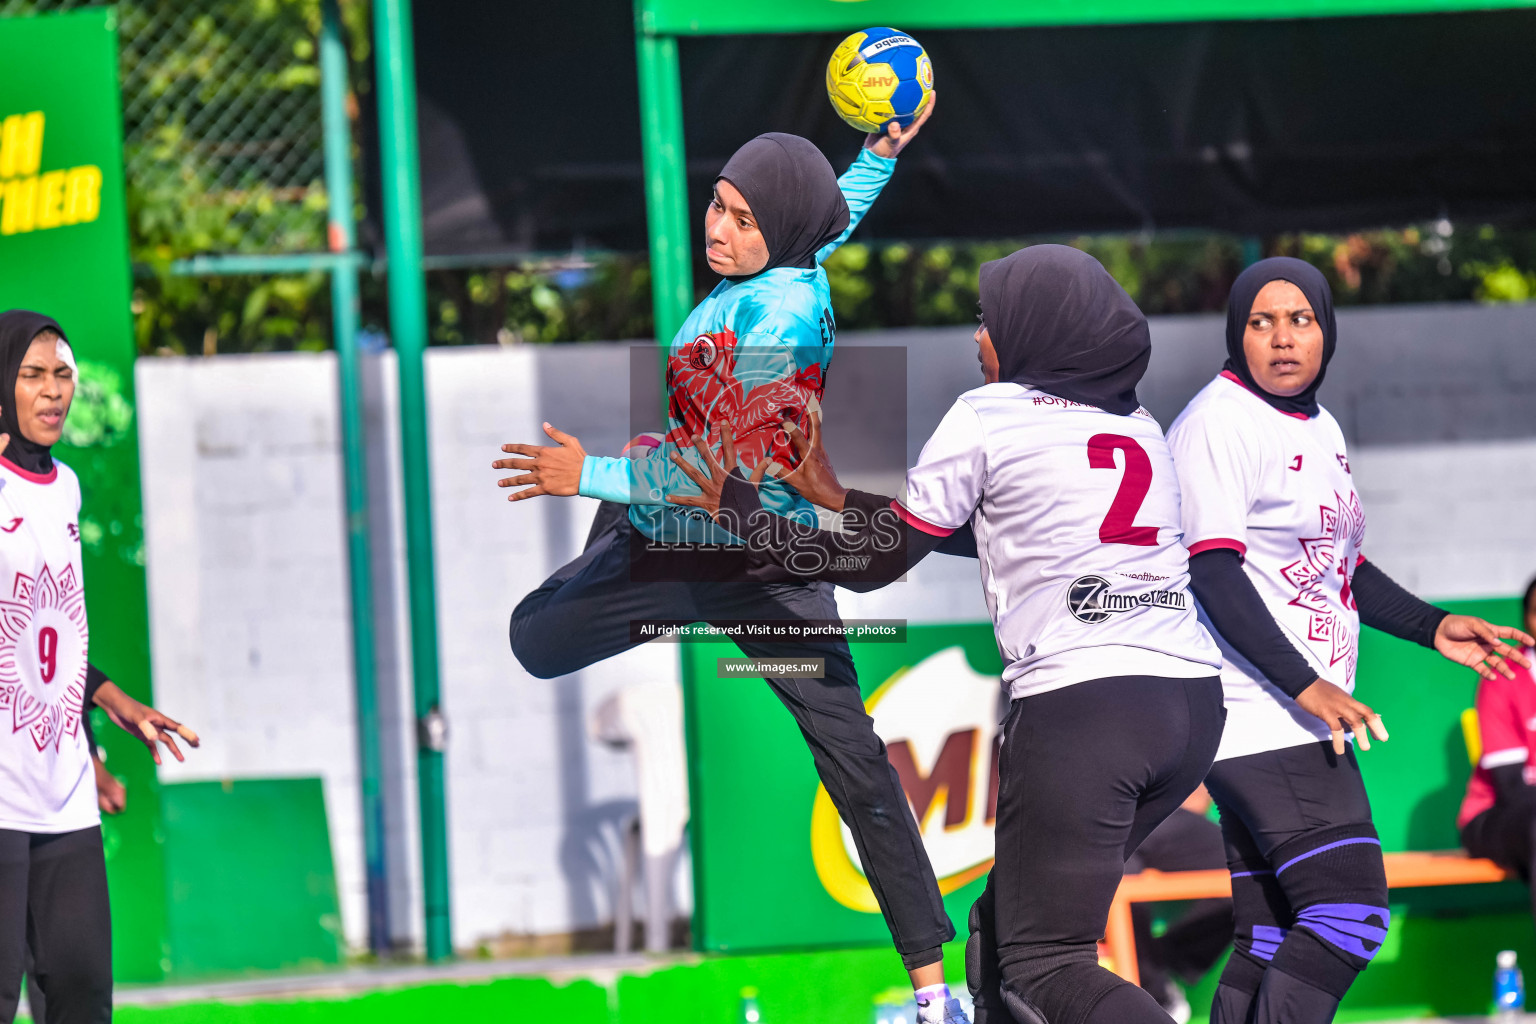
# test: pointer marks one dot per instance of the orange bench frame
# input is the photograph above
(1404, 871)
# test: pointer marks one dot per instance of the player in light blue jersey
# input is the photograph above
(756, 348)
(754, 352)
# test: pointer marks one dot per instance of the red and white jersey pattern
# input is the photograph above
(1276, 488)
(1076, 516)
(1506, 720)
(46, 784)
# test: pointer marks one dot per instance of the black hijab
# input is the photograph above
(17, 329)
(1240, 303)
(1060, 323)
(794, 196)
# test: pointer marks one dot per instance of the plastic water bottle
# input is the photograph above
(1508, 990)
(750, 1014)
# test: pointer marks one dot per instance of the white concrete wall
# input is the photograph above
(251, 632)
(251, 629)
(249, 625)
(1451, 520)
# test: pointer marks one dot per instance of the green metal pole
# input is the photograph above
(408, 325)
(666, 178)
(344, 303)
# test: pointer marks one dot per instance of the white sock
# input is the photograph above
(930, 1002)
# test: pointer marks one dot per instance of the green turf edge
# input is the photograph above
(1434, 963)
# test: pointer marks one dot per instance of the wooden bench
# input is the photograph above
(1404, 871)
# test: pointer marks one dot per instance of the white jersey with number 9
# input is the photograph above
(1076, 516)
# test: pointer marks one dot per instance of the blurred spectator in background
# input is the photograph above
(1195, 939)
(1498, 816)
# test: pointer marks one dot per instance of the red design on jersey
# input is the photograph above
(42, 628)
(1344, 461)
(1329, 562)
(74, 531)
(12, 526)
(1119, 522)
(1296, 463)
(703, 390)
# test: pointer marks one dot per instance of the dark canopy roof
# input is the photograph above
(530, 125)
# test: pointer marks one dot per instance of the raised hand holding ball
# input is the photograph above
(879, 76)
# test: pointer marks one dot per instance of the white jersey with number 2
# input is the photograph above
(1275, 487)
(1076, 516)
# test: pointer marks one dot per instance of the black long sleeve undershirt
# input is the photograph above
(1388, 607)
(877, 549)
(1237, 611)
(94, 677)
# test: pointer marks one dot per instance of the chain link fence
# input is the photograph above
(222, 127)
(224, 154)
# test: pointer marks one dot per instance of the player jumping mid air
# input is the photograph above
(1070, 491)
(1276, 534)
(755, 350)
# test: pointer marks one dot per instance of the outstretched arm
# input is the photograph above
(555, 471)
(884, 538)
(862, 181)
(877, 549)
(1464, 639)
(565, 469)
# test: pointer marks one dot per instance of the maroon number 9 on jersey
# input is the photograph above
(48, 652)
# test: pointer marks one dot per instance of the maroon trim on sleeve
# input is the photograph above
(1219, 542)
(918, 523)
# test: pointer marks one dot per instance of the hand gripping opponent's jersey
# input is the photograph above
(46, 783)
(1076, 516)
(1276, 488)
(750, 353)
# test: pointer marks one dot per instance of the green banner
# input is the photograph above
(773, 865)
(64, 252)
(775, 868)
(709, 17)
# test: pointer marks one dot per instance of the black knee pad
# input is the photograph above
(981, 970)
(1262, 918)
(1055, 983)
(1336, 883)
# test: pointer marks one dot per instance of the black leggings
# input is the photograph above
(1087, 772)
(1309, 890)
(53, 898)
(581, 615)
(1506, 834)
(1201, 933)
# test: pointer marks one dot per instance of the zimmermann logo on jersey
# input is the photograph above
(1089, 599)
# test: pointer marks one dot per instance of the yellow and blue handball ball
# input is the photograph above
(878, 76)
